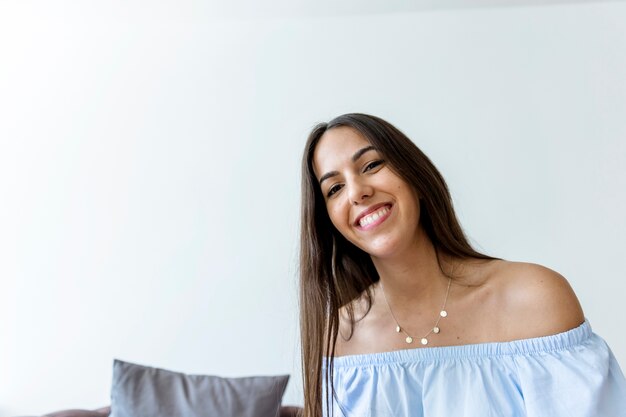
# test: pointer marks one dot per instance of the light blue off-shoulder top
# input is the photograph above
(570, 374)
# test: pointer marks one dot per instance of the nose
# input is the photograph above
(359, 191)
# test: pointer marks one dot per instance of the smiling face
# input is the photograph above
(367, 202)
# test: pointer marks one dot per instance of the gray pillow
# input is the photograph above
(141, 391)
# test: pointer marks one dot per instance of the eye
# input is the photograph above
(374, 164)
(332, 190)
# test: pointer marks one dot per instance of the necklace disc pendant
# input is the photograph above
(443, 313)
(424, 341)
(436, 330)
(398, 329)
(409, 339)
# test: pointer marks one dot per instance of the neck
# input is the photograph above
(414, 275)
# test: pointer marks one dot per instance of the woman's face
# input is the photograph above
(367, 202)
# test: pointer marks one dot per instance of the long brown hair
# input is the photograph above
(333, 271)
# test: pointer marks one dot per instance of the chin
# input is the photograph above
(386, 249)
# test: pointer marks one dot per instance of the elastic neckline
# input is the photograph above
(522, 347)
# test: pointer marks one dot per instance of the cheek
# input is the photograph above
(338, 217)
(335, 216)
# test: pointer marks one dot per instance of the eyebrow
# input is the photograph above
(354, 158)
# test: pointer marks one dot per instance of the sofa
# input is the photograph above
(285, 411)
(144, 391)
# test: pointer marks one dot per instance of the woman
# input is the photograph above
(399, 314)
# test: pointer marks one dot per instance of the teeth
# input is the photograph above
(370, 218)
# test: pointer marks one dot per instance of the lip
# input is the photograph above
(368, 211)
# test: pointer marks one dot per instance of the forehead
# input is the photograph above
(335, 148)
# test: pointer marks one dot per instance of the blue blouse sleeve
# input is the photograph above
(583, 380)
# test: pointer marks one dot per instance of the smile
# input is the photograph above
(372, 219)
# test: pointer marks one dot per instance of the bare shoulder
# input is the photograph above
(533, 301)
(350, 338)
(345, 338)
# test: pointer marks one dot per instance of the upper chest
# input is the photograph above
(473, 316)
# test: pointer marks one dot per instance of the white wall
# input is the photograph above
(149, 170)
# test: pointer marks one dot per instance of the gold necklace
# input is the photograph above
(435, 329)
